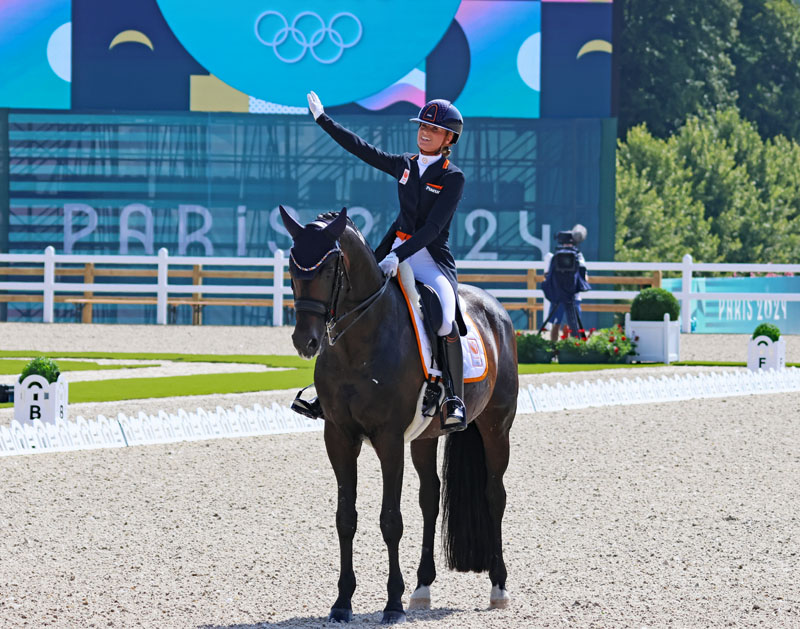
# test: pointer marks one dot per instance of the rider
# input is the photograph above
(429, 189)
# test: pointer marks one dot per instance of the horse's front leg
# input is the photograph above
(343, 453)
(389, 449)
(423, 454)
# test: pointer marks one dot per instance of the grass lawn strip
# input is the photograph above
(10, 367)
(269, 360)
(301, 374)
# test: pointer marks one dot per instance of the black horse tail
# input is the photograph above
(467, 531)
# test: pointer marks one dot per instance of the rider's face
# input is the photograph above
(431, 139)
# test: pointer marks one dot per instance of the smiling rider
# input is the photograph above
(429, 187)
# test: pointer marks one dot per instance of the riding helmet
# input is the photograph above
(443, 114)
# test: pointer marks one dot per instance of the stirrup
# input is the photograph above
(454, 415)
(308, 408)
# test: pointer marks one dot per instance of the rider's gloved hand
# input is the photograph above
(314, 105)
(389, 264)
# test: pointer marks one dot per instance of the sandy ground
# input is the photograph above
(658, 515)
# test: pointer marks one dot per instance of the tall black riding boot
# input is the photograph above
(454, 413)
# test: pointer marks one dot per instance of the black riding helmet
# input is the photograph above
(443, 114)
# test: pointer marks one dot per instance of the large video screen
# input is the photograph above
(492, 58)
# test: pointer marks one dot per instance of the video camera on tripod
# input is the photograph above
(566, 277)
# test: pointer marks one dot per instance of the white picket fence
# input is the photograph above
(38, 437)
(279, 288)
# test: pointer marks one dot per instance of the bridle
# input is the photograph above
(327, 310)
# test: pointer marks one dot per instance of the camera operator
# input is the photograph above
(565, 280)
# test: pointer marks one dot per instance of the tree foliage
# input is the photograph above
(675, 60)
(683, 57)
(767, 61)
(714, 189)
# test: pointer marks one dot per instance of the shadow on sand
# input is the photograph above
(359, 620)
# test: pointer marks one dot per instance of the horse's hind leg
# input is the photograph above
(423, 454)
(343, 454)
(496, 448)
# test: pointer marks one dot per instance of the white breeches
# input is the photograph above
(427, 271)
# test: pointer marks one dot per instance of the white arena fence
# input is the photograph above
(163, 427)
(279, 287)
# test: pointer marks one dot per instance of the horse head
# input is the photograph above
(315, 265)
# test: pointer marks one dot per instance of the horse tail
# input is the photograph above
(467, 530)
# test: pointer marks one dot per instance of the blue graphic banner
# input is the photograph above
(492, 58)
(736, 315)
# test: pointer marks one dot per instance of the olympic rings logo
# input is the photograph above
(308, 43)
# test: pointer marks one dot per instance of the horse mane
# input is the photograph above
(329, 216)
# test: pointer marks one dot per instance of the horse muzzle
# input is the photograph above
(307, 340)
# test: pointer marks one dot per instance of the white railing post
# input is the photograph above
(161, 291)
(49, 281)
(546, 304)
(277, 289)
(686, 303)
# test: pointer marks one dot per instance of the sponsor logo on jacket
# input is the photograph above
(430, 187)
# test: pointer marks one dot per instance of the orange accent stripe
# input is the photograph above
(446, 164)
(483, 347)
(433, 185)
(414, 156)
(402, 235)
(419, 343)
(416, 332)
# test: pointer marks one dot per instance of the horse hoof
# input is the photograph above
(393, 618)
(419, 603)
(499, 599)
(421, 598)
(340, 615)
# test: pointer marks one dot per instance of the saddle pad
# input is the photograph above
(475, 365)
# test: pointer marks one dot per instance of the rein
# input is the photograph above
(334, 321)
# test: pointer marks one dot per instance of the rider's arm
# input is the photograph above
(352, 143)
(442, 211)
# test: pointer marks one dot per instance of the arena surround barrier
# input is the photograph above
(143, 429)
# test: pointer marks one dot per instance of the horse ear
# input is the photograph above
(292, 226)
(337, 225)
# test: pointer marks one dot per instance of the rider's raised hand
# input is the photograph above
(389, 264)
(314, 105)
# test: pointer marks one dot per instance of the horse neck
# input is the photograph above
(363, 272)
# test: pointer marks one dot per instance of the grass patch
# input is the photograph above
(706, 363)
(10, 367)
(557, 368)
(204, 384)
(269, 360)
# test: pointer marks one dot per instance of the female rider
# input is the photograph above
(429, 189)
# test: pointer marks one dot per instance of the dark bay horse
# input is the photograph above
(368, 377)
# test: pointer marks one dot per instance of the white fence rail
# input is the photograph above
(48, 287)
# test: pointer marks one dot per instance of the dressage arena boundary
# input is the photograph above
(82, 434)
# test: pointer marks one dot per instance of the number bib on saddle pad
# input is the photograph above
(475, 365)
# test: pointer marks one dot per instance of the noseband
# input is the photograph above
(327, 310)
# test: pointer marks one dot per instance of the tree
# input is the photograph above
(767, 62)
(715, 190)
(657, 217)
(675, 60)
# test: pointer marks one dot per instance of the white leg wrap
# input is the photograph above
(421, 598)
(499, 599)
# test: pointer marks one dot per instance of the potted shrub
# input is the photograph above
(766, 349)
(654, 324)
(533, 348)
(40, 392)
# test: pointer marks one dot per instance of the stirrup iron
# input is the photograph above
(454, 415)
(308, 408)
